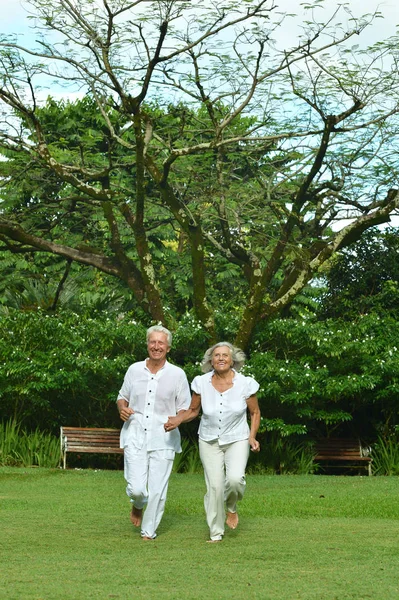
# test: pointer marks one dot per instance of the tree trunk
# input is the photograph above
(201, 307)
(143, 251)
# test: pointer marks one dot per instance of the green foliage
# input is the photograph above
(385, 455)
(316, 378)
(188, 461)
(190, 341)
(66, 368)
(282, 455)
(324, 377)
(364, 277)
(23, 449)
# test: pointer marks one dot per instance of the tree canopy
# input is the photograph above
(364, 278)
(203, 163)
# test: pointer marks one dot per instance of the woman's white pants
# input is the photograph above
(224, 470)
(147, 475)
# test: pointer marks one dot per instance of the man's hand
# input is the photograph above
(125, 413)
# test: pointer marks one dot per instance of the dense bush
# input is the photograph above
(328, 377)
(65, 368)
(317, 378)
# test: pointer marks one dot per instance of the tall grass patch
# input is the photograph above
(34, 449)
(385, 454)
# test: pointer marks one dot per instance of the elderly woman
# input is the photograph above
(224, 395)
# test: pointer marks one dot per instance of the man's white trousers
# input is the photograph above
(147, 475)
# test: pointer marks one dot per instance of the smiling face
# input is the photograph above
(158, 346)
(221, 359)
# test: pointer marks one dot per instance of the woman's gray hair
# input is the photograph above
(162, 329)
(237, 355)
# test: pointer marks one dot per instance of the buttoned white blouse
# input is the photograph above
(224, 414)
(154, 397)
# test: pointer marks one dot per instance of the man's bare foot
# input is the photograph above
(146, 538)
(232, 520)
(136, 516)
(213, 541)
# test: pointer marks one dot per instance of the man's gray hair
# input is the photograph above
(237, 356)
(162, 329)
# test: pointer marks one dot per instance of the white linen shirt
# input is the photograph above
(153, 397)
(224, 414)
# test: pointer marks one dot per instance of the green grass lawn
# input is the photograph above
(67, 535)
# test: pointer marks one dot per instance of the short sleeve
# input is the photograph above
(125, 391)
(251, 387)
(183, 398)
(196, 385)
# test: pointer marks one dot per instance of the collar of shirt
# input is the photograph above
(159, 370)
(211, 374)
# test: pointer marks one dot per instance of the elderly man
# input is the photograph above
(152, 390)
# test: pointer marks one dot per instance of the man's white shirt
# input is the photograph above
(154, 397)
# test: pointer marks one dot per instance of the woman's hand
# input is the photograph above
(172, 423)
(253, 407)
(255, 445)
(183, 416)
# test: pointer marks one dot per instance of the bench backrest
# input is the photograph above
(89, 439)
(341, 447)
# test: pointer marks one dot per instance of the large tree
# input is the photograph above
(243, 151)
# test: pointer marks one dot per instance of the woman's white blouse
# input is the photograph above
(224, 414)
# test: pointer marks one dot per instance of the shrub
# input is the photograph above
(385, 455)
(19, 448)
(57, 369)
(323, 378)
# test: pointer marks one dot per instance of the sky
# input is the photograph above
(13, 15)
(381, 28)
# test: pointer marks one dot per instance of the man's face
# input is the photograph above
(158, 345)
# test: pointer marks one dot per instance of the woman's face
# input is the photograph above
(221, 359)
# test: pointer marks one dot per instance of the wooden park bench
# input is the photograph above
(92, 440)
(342, 452)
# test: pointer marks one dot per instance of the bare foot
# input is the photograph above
(136, 516)
(145, 538)
(232, 520)
(213, 541)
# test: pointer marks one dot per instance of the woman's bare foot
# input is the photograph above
(136, 516)
(232, 520)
